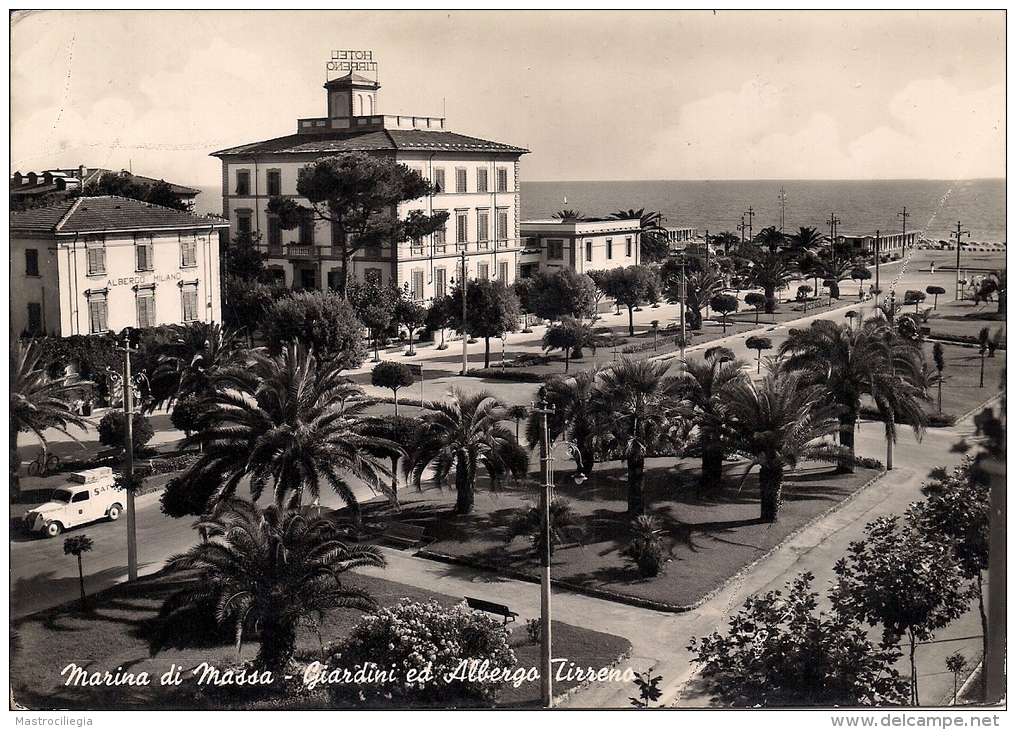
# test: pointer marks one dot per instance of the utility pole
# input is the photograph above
(465, 333)
(128, 409)
(750, 214)
(904, 215)
(684, 293)
(546, 665)
(958, 235)
(783, 208)
(741, 229)
(878, 257)
(833, 222)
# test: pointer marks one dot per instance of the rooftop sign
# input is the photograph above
(352, 61)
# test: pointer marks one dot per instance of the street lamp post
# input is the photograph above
(959, 235)
(465, 333)
(544, 409)
(878, 260)
(128, 408)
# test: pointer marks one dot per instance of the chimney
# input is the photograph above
(17, 180)
(33, 179)
(82, 172)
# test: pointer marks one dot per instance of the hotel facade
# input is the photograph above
(91, 265)
(583, 245)
(476, 181)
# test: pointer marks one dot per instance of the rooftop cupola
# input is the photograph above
(352, 95)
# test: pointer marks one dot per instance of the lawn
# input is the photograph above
(112, 633)
(708, 539)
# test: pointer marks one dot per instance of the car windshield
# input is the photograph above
(62, 496)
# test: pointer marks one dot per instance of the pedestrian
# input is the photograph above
(933, 267)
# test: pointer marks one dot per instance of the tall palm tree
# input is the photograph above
(831, 268)
(654, 239)
(190, 361)
(851, 363)
(771, 238)
(288, 425)
(899, 400)
(726, 239)
(463, 434)
(705, 394)
(806, 239)
(770, 271)
(38, 402)
(262, 572)
(572, 417)
(637, 407)
(775, 423)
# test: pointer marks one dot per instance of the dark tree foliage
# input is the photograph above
(551, 295)
(492, 309)
(758, 344)
(781, 651)
(323, 321)
(113, 430)
(126, 186)
(724, 304)
(570, 336)
(628, 287)
(756, 301)
(375, 306)
(904, 579)
(392, 375)
(187, 413)
(441, 316)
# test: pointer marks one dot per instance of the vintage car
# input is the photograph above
(87, 497)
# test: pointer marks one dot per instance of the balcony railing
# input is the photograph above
(300, 251)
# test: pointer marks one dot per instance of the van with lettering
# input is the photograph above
(88, 496)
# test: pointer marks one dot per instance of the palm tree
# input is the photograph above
(898, 400)
(564, 524)
(463, 434)
(569, 215)
(189, 362)
(570, 399)
(774, 423)
(771, 238)
(830, 268)
(571, 336)
(705, 394)
(38, 402)
(654, 240)
(726, 239)
(287, 424)
(806, 239)
(262, 572)
(636, 404)
(851, 363)
(770, 271)
(76, 546)
(517, 413)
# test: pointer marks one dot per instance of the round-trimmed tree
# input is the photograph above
(393, 376)
(757, 301)
(758, 344)
(935, 291)
(724, 304)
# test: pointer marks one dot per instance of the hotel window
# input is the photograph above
(555, 248)
(97, 320)
(416, 285)
(627, 246)
(333, 279)
(188, 251)
(416, 247)
(482, 270)
(96, 256)
(146, 306)
(461, 227)
(189, 302)
(440, 276)
(482, 225)
(274, 182)
(34, 318)
(502, 224)
(460, 179)
(502, 179)
(440, 237)
(373, 275)
(610, 248)
(439, 180)
(243, 182)
(143, 253)
(307, 229)
(589, 250)
(274, 235)
(31, 262)
(502, 272)
(243, 222)
(481, 179)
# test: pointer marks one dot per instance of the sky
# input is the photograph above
(594, 95)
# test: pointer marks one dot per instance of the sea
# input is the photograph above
(934, 208)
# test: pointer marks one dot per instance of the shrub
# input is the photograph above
(803, 291)
(113, 430)
(322, 320)
(646, 546)
(421, 636)
(186, 413)
(534, 629)
(516, 376)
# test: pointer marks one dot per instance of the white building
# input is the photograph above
(478, 183)
(97, 264)
(581, 244)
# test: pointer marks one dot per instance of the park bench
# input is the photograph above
(399, 532)
(478, 604)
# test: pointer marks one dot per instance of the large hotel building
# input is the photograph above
(477, 183)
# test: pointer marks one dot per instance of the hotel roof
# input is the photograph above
(378, 140)
(104, 214)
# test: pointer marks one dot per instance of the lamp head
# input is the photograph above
(579, 477)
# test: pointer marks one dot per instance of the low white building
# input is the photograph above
(96, 264)
(581, 244)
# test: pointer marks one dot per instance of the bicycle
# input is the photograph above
(43, 464)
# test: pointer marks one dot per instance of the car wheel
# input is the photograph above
(114, 512)
(53, 529)
(33, 469)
